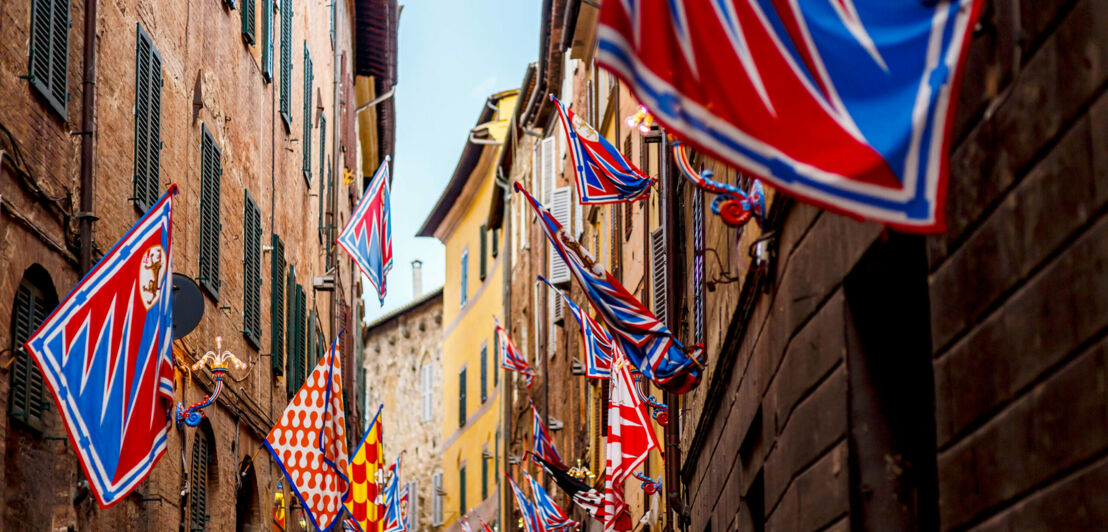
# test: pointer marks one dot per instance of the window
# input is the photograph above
(413, 505)
(427, 392)
(464, 274)
(560, 206)
(495, 243)
(658, 269)
(495, 363)
(252, 276)
(698, 266)
(198, 479)
(484, 373)
(322, 167)
(277, 305)
(482, 271)
(436, 499)
(211, 170)
(462, 397)
(485, 473)
(462, 490)
(248, 21)
(148, 126)
(333, 3)
(286, 63)
(295, 336)
(546, 171)
(306, 139)
(49, 51)
(28, 401)
(267, 40)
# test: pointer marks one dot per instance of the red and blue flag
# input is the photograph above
(542, 446)
(106, 354)
(645, 340)
(531, 521)
(848, 104)
(510, 357)
(367, 237)
(598, 343)
(394, 519)
(552, 517)
(603, 174)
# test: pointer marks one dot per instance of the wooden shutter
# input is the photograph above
(546, 171)
(462, 491)
(464, 274)
(427, 390)
(312, 348)
(658, 272)
(698, 266)
(210, 225)
(28, 389)
(484, 373)
(560, 208)
(436, 499)
(198, 481)
(277, 305)
(462, 397)
(322, 176)
(413, 502)
(301, 336)
(482, 270)
(48, 61)
(252, 276)
(286, 63)
(495, 359)
(495, 242)
(306, 139)
(148, 109)
(267, 40)
(248, 15)
(291, 375)
(484, 475)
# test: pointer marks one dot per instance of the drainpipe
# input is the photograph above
(672, 430)
(85, 216)
(505, 395)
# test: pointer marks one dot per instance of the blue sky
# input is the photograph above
(453, 55)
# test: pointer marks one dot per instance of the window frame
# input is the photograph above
(146, 183)
(210, 216)
(252, 271)
(48, 88)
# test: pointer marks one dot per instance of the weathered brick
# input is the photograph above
(1075, 502)
(1037, 328)
(1060, 423)
(817, 497)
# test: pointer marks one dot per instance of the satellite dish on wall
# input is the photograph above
(188, 305)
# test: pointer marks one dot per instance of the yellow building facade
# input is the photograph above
(472, 295)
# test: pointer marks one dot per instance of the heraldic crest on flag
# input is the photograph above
(644, 339)
(630, 439)
(848, 104)
(367, 467)
(309, 442)
(510, 357)
(367, 237)
(603, 174)
(598, 343)
(106, 355)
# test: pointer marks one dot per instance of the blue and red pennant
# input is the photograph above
(106, 354)
(603, 174)
(542, 446)
(643, 339)
(510, 357)
(367, 237)
(551, 517)
(845, 103)
(599, 345)
(531, 520)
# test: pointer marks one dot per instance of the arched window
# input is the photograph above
(201, 475)
(247, 514)
(34, 299)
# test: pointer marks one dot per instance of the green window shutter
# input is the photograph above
(286, 63)
(462, 491)
(211, 170)
(301, 337)
(277, 305)
(248, 21)
(495, 243)
(484, 373)
(198, 482)
(291, 375)
(462, 397)
(322, 165)
(483, 270)
(484, 477)
(27, 401)
(333, 4)
(307, 137)
(252, 277)
(267, 40)
(48, 58)
(313, 348)
(148, 127)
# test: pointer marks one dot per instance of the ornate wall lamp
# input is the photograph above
(219, 362)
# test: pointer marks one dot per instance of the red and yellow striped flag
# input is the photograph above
(365, 465)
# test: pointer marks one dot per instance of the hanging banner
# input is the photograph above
(630, 439)
(105, 353)
(367, 464)
(603, 175)
(846, 104)
(367, 237)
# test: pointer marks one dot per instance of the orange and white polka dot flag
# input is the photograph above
(309, 443)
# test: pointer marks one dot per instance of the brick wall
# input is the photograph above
(781, 433)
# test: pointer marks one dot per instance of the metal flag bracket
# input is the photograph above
(733, 204)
